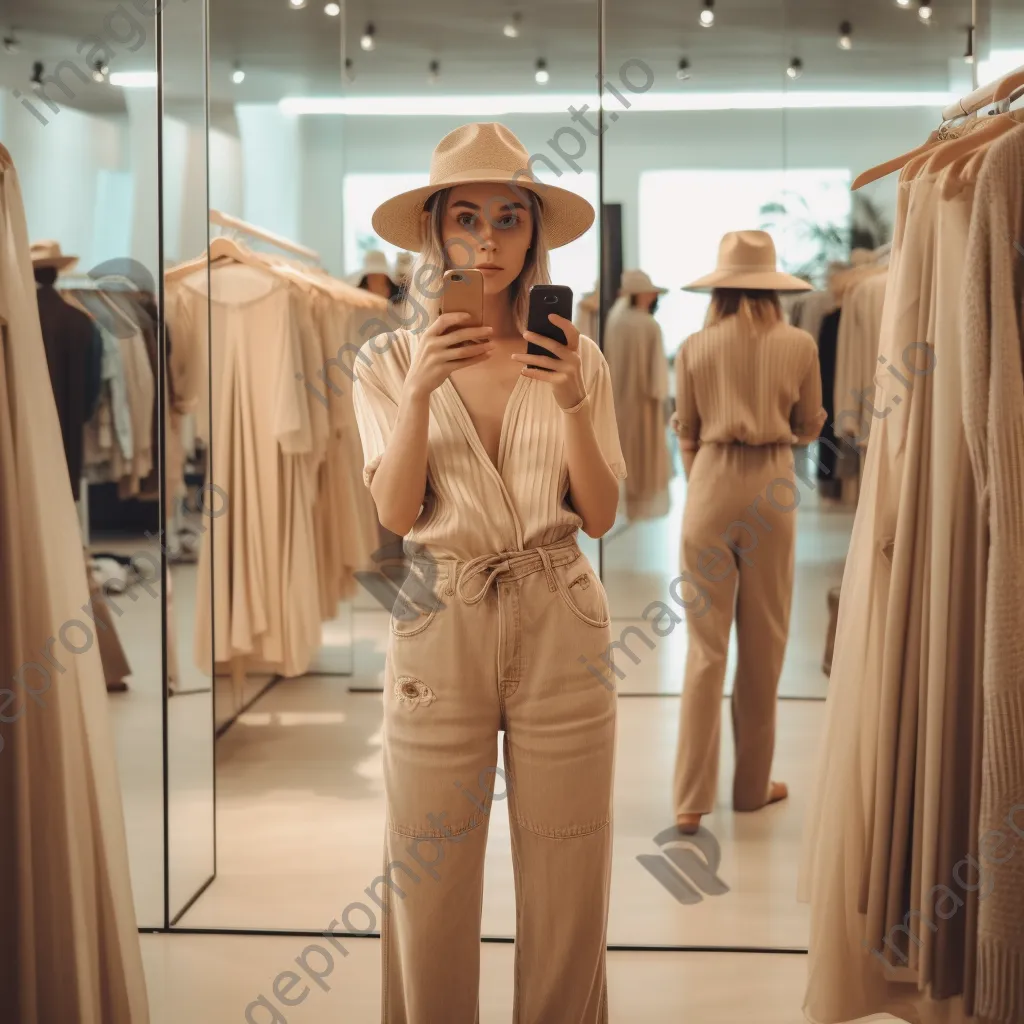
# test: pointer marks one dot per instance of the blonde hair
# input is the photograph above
(424, 288)
(761, 309)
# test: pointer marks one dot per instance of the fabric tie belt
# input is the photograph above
(514, 564)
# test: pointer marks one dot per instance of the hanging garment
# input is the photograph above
(69, 945)
(266, 590)
(588, 315)
(828, 448)
(896, 919)
(857, 356)
(639, 372)
(993, 396)
(68, 337)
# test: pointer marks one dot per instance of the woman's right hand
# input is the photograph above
(438, 353)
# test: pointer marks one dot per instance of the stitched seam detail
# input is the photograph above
(416, 832)
(571, 832)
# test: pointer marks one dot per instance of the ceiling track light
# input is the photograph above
(683, 71)
(434, 72)
(368, 41)
(707, 16)
(37, 73)
(845, 36)
(11, 44)
(237, 75)
(924, 10)
(100, 71)
(511, 27)
(349, 74)
(796, 68)
(969, 52)
(541, 75)
(332, 10)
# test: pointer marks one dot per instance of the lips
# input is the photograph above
(487, 266)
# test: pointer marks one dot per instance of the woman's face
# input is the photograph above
(487, 227)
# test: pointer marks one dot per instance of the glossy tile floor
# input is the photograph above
(215, 980)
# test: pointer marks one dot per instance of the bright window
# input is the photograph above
(684, 213)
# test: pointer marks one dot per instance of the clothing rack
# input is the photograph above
(994, 92)
(242, 227)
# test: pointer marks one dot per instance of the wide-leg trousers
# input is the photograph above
(739, 527)
(500, 648)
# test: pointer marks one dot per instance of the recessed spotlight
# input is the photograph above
(683, 71)
(845, 36)
(434, 72)
(332, 10)
(924, 11)
(368, 42)
(511, 27)
(707, 16)
(11, 44)
(100, 71)
(903, 3)
(796, 68)
(296, 4)
(238, 75)
(541, 75)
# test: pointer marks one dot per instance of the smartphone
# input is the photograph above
(545, 299)
(462, 291)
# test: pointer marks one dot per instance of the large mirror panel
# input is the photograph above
(80, 122)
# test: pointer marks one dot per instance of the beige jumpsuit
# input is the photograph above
(742, 401)
(504, 611)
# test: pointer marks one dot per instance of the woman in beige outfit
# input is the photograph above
(489, 468)
(748, 388)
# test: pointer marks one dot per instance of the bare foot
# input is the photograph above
(688, 824)
(778, 791)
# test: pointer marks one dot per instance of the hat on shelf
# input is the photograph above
(746, 259)
(48, 254)
(636, 282)
(374, 262)
(481, 153)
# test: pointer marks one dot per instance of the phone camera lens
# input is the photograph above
(457, 277)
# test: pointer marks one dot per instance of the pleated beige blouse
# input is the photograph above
(473, 507)
(734, 386)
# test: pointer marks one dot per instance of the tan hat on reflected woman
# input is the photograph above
(746, 259)
(48, 254)
(474, 154)
(636, 282)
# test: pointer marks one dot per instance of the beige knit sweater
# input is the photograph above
(993, 401)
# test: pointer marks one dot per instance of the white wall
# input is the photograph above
(65, 170)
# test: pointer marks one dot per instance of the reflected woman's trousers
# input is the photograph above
(738, 546)
(500, 647)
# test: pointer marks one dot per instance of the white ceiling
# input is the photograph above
(299, 52)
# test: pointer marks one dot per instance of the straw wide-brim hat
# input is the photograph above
(48, 254)
(636, 282)
(746, 259)
(374, 262)
(480, 153)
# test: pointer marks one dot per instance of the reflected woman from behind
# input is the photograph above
(748, 389)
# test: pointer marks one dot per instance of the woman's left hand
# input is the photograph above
(563, 369)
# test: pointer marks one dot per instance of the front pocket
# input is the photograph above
(417, 604)
(579, 587)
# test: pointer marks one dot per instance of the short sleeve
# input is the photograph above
(686, 420)
(376, 415)
(603, 417)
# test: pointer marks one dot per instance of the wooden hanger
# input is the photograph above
(896, 164)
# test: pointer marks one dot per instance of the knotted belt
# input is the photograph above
(504, 564)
